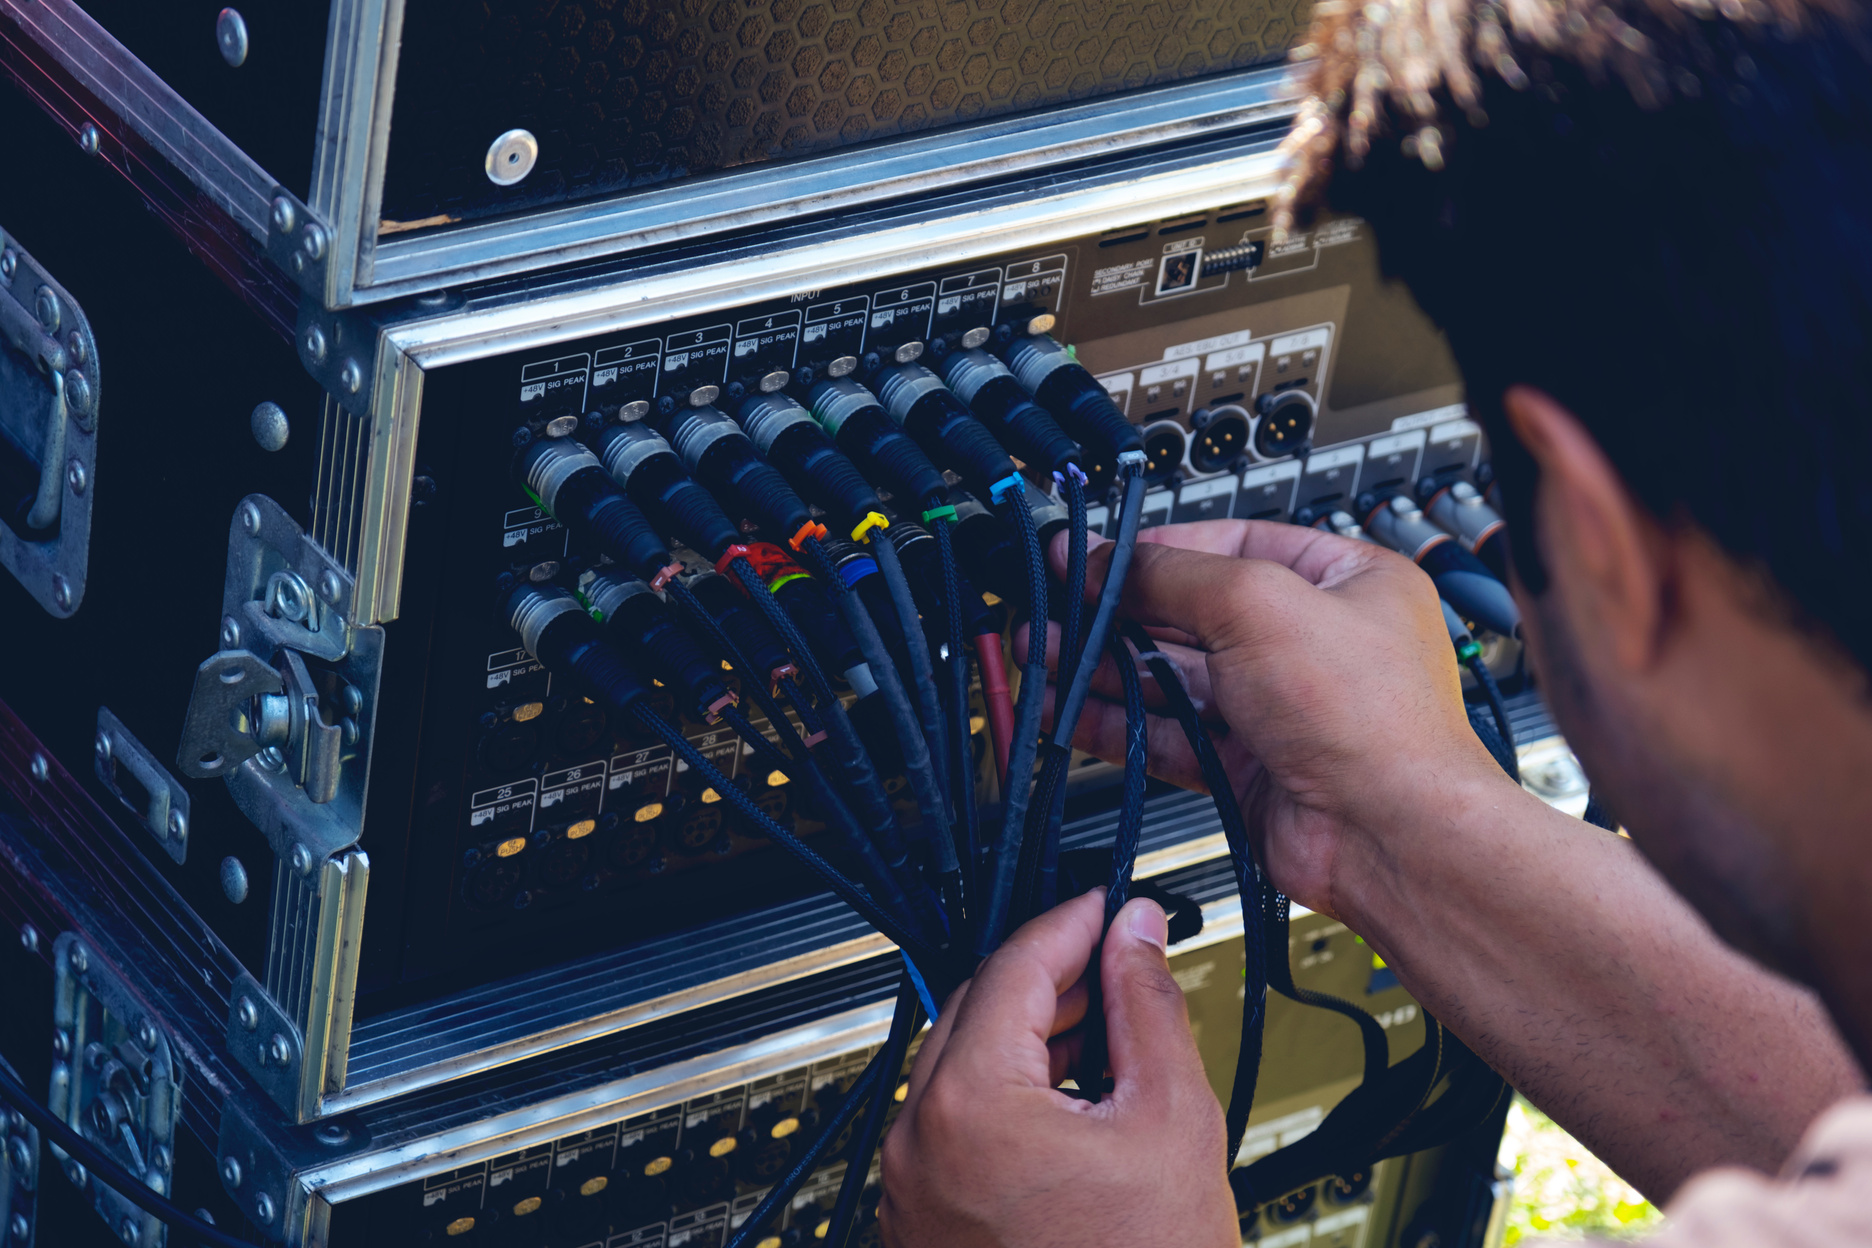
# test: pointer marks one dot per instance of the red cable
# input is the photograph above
(995, 695)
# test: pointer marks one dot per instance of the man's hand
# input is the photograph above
(987, 1152)
(1328, 660)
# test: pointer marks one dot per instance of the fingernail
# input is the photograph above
(1148, 924)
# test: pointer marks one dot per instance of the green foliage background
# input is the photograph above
(1561, 1190)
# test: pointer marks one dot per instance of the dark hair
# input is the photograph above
(1692, 280)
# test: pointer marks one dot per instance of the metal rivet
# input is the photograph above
(9, 261)
(278, 1049)
(248, 1013)
(20, 1226)
(332, 1134)
(146, 1034)
(301, 859)
(89, 139)
(351, 377)
(77, 391)
(103, 747)
(40, 768)
(270, 426)
(47, 307)
(230, 633)
(61, 592)
(511, 157)
(178, 824)
(314, 343)
(29, 938)
(353, 699)
(80, 960)
(312, 242)
(329, 586)
(285, 215)
(75, 476)
(159, 1157)
(127, 1230)
(350, 728)
(19, 1155)
(233, 880)
(263, 1208)
(250, 519)
(75, 1172)
(231, 37)
(76, 348)
(231, 1172)
(61, 1043)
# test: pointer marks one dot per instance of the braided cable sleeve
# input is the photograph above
(1124, 860)
(917, 763)
(1491, 691)
(961, 757)
(787, 1186)
(923, 672)
(1130, 513)
(1005, 867)
(913, 944)
(904, 1020)
(1251, 886)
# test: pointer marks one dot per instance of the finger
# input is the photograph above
(1002, 1027)
(1318, 556)
(1063, 1055)
(931, 1051)
(1100, 732)
(1153, 1053)
(1070, 1010)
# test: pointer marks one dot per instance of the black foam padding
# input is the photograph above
(627, 94)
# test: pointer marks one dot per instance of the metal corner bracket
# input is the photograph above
(285, 709)
(116, 1080)
(48, 423)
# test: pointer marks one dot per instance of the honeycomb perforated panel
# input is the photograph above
(629, 93)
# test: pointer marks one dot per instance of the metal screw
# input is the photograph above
(313, 241)
(233, 880)
(351, 732)
(127, 1230)
(40, 768)
(301, 859)
(248, 1013)
(80, 960)
(9, 261)
(231, 36)
(75, 1172)
(75, 476)
(270, 426)
(61, 1043)
(103, 747)
(88, 139)
(329, 587)
(159, 1157)
(263, 1208)
(231, 1172)
(250, 519)
(178, 824)
(20, 1226)
(19, 1155)
(271, 758)
(314, 344)
(351, 377)
(146, 1034)
(352, 698)
(29, 938)
(61, 592)
(285, 215)
(332, 1134)
(230, 633)
(278, 1049)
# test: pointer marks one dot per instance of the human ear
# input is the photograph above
(1603, 551)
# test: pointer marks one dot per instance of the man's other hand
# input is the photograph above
(986, 1151)
(1328, 661)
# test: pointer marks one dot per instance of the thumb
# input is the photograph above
(1152, 1052)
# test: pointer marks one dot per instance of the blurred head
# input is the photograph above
(1644, 227)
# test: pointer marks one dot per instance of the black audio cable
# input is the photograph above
(807, 1160)
(998, 903)
(1460, 577)
(1250, 885)
(864, 431)
(1074, 398)
(556, 630)
(104, 1169)
(941, 424)
(1050, 804)
(744, 641)
(1003, 404)
(904, 1022)
(637, 458)
(1093, 1050)
(1130, 512)
(1469, 654)
(719, 454)
(962, 757)
(922, 668)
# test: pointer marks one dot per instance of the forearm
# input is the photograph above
(1557, 953)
